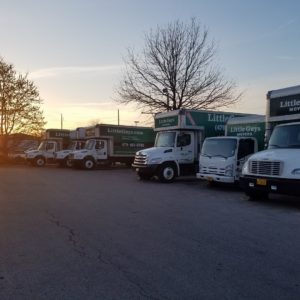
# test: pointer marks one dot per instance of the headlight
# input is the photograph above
(156, 160)
(296, 172)
(245, 169)
(229, 170)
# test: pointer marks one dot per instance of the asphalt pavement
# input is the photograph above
(103, 234)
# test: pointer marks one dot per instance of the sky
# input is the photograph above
(74, 50)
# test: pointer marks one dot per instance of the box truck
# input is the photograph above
(62, 157)
(277, 169)
(108, 144)
(222, 158)
(53, 141)
(179, 137)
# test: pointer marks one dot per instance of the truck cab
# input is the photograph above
(62, 157)
(221, 158)
(174, 153)
(77, 142)
(44, 153)
(277, 169)
(54, 140)
(94, 152)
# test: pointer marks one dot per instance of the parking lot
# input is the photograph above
(103, 234)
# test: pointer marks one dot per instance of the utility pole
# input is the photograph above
(61, 121)
(118, 118)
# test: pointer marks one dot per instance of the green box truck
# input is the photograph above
(107, 144)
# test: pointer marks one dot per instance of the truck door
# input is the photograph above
(50, 150)
(185, 148)
(101, 149)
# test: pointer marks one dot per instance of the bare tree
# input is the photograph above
(19, 104)
(176, 70)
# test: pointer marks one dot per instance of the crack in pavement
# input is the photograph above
(74, 240)
(73, 237)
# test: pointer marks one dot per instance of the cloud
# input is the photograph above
(284, 57)
(286, 24)
(88, 104)
(62, 71)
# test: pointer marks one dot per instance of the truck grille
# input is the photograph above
(261, 167)
(213, 170)
(140, 159)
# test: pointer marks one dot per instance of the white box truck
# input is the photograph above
(222, 158)
(277, 169)
(108, 144)
(179, 137)
(54, 140)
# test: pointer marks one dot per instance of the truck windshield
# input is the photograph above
(285, 137)
(165, 139)
(219, 147)
(89, 145)
(42, 146)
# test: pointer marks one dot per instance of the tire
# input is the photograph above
(88, 163)
(167, 173)
(39, 161)
(256, 195)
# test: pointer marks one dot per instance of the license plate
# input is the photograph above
(261, 181)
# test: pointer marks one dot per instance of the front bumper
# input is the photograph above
(214, 177)
(145, 169)
(271, 185)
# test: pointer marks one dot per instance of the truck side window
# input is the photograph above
(99, 145)
(50, 147)
(183, 140)
(246, 147)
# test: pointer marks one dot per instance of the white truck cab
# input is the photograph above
(174, 153)
(277, 169)
(94, 152)
(77, 142)
(62, 157)
(222, 158)
(44, 153)
(54, 140)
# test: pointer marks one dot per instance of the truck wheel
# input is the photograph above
(256, 195)
(167, 173)
(39, 161)
(89, 163)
